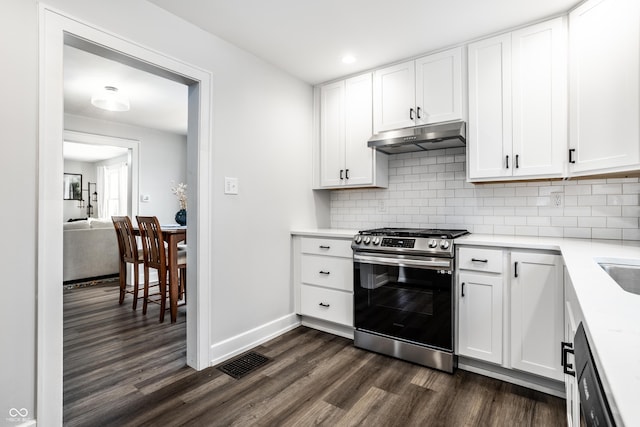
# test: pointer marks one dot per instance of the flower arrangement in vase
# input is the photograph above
(180, 191)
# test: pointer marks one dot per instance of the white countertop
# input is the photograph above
(612, 315)
(325, 232)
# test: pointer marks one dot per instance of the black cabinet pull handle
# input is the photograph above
(571, 151)
(517, 156)
(324, 305)
(462, 289)
(341, 174)
(324, 247)
(515, 269)
(411, 113)
(346, 174)
(325, 272)
(418, 112)
(479, 260)
(566, 348)
(507, 162)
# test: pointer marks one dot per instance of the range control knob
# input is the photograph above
(376, 240)
(367, 240)
(433, 243)
(358, 239)
(444, 244)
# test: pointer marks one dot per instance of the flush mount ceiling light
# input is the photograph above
(348, 59)
(109, 99)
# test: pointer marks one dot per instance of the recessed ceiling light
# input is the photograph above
(348, 59)
(109, 99)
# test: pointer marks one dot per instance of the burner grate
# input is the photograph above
(243, 365)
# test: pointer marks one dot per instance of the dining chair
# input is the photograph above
(129, 254)
(155, 257)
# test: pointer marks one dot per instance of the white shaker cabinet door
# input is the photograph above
(358, 129)
(489, 133)
(480, 316)
(394, 97)
(539, 87)
(537, 313)
(604, 121)
(332, 134)
(439, 87)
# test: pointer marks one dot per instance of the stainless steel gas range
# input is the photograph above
(404, 294)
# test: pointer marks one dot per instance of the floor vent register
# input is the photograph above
(243, 365)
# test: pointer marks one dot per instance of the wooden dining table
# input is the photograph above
(173, 236)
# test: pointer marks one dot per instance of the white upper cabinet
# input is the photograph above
(332, 135)
(394, 92)
(489, 136)
(518, 104)
(427, 90)
(439, 87)
(604, 122)
(345, 127)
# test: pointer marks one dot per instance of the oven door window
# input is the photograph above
(405, 302)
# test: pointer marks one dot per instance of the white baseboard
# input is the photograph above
(332, 328)
(534, 382)
(238, 344)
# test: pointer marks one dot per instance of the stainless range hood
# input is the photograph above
(420, 138)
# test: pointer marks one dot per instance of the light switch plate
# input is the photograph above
(230, 185)
(145, 198)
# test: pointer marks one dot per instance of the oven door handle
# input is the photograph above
(404, 262)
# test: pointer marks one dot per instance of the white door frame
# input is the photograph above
(53, 26)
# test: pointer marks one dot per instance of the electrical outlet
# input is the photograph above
(382, 207)
(556, 200)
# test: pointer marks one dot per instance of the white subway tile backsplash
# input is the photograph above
(606, 233)
(592, 222)
(429, 189)
(580, 233)
(606, 189)
(551, 232)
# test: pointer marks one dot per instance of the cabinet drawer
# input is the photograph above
(488, 260)
(327, 271)
(327, 304)
(325, 246)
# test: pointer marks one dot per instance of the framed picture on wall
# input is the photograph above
(72, 186)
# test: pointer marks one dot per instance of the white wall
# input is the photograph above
(88, 171)
(163, 159)
(18, 172)
(429, 189)
(261, 134)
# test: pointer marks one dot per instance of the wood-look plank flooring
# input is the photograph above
(125, 369)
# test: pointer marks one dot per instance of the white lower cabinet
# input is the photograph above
(510, 309)
(480, 316)
(327, 304)
(323, 280)
(572, 318)
(537, 319)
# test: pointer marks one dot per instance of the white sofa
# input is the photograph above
(90, 249)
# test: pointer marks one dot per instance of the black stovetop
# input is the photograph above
(414, 232)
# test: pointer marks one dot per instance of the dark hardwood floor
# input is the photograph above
(125, 369)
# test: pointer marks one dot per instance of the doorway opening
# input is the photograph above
(57, 31)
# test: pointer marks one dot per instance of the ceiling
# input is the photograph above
(156, 102)
(308, 38)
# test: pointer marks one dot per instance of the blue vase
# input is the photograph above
(181, 217)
